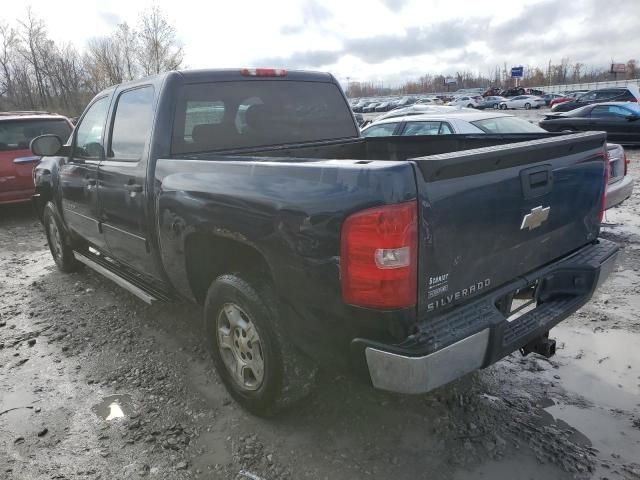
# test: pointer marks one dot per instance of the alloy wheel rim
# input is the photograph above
(240, 347)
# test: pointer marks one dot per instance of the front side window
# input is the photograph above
(587, 97)
(89, 133)
(17, 134)
(132, 124)
(600, 111)
(383, 130)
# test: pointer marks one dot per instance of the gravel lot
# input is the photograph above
(95, 384)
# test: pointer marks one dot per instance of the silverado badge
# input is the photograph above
(536, 218)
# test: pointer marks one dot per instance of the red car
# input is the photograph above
(567, 98)
(17, 129)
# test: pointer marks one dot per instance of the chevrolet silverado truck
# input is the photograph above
(411, 261)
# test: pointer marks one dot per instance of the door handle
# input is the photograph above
(133, 187)
(536, 181)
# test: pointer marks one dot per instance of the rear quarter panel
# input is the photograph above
(291, 212)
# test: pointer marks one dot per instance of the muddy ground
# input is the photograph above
(95, 384)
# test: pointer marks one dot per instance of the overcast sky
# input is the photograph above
(381, 40)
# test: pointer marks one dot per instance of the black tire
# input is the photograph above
(503, 106)
(470, 105)
(287, 377)
(527, 106)
(58, 240)
(496, 105)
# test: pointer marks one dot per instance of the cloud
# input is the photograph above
(291, 29)
(528, 33)
(110, 18)
(395, 5)
(416, 41)
(315, 13)
(308, 59)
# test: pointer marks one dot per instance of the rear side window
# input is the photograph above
(244, 114)
(425, 128)
(17, 134)
(506, 125)
(132, 124)
(610, 111)
(384, 130)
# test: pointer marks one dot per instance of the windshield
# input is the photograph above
(506, 125)
(224, 115)
(17, 134)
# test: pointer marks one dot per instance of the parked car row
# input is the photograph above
(370, 105)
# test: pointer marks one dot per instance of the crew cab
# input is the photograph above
(409, 260)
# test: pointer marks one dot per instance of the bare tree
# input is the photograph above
(33, 35)
(159, 49)
(8, 47)
(128, 45)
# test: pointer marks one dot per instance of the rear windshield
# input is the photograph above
(17, 134)
(225, 115)
(506, 125)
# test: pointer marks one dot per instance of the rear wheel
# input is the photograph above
(503, 106)
(527, 106)
(58, 240)
(470, 105)
(495, 105)
(259, 366)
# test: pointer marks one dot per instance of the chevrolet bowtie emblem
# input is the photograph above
(536, 218)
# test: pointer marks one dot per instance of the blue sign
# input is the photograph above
(517, 72)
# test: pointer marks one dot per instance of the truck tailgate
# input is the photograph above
(493, 214)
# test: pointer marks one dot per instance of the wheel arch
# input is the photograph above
(207, 256)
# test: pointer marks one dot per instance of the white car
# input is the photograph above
(465, 101)
(450, 121)
(523, 101)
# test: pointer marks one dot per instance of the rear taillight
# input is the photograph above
(626, 163)
(263, 72)
(378, 257)
(603, 196)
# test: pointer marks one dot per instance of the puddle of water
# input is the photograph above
(602, 367)
(114, 407)
(606, 432)
(20, 404)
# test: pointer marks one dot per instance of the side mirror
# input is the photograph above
(45, 145)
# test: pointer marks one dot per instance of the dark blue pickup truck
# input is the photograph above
(411, 261)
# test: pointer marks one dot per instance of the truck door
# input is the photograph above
(122, 190)
(79, 174)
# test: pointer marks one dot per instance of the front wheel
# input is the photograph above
(58, 240)
(470, 105)
(256, 361)
(527, 106)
